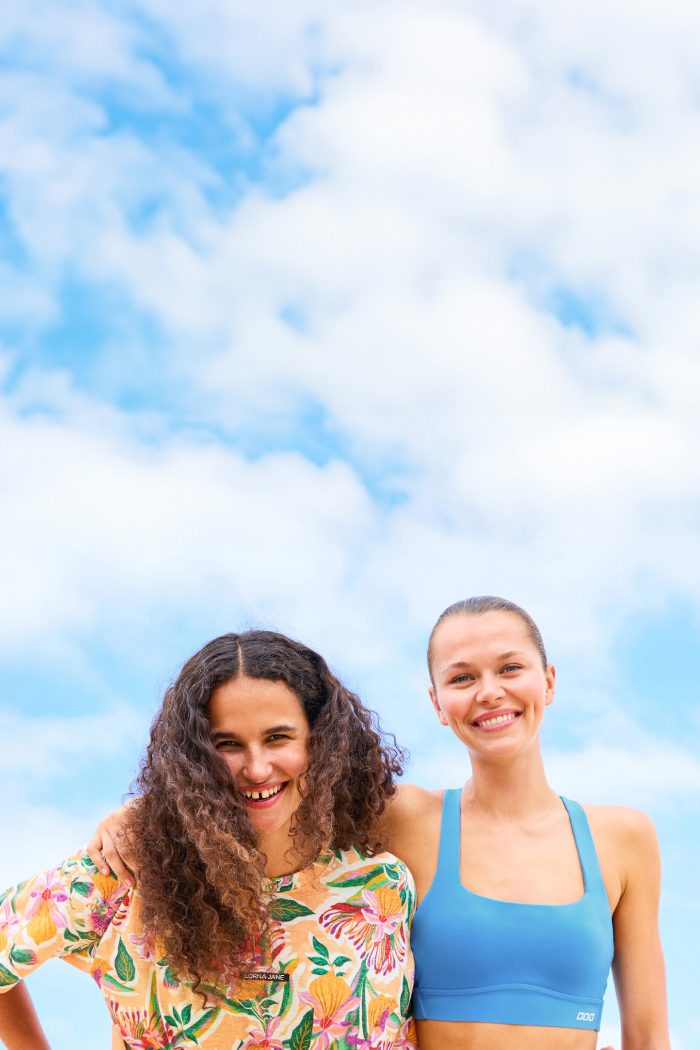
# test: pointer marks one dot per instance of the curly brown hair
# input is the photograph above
(201, 875)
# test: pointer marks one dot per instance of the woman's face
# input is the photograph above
(490, 688)
(260, 730)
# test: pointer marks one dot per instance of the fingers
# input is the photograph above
(94, 852)
(114, 859)
(102, 847)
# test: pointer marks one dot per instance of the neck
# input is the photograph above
(513, 787)
(278, 847)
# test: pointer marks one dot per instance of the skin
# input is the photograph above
(19, 1025)
(261, 731)
(517, 842)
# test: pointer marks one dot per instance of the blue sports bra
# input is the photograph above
(481, 959)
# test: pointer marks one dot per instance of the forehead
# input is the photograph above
(470, 637)
(246, 704)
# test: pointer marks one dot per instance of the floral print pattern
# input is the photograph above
(341, 938)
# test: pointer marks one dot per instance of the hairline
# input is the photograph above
(500, 605)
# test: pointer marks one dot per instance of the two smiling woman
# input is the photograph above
(266, 915)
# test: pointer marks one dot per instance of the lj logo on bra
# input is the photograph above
(585, 1017)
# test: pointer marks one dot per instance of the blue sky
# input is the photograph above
(321, 316)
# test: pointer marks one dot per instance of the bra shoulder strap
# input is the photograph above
(448, 857)
(590, 866)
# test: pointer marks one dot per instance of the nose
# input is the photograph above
(256, 767)
(490, 689)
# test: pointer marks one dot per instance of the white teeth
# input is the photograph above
(263, 794)
(496, 720)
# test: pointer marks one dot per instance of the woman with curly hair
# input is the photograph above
(266, 913)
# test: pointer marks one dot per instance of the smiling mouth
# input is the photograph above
(265, 793)
(497, 720)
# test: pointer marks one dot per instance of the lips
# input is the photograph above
(263, 797)
(497, 720)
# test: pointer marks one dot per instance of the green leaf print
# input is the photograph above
(340, 959)
(318, 961)
(286, 999)
(405, 998)
(320, 948)
(202, 1025)
(301, 1036)
(319, 972)
(18, 890)
(68, 935)
(109, 981)
(83, 888)
(186, 1013)
(124, 965)
(7, 978)
(22, 957)
(169, 978)
(359, 990)
(286, 910)
(373, 878)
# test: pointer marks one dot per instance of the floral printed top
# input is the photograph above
(340, 947)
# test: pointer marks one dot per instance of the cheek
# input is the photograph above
(233, 763)
(297, 761)
(453, 707)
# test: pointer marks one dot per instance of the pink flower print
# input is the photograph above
(383, 919)
(332, 1000)
(375, 927)
(143, 947)
(263, 1040)
(44, 915)
(105, 910)
(9, 923)
(139, 1029)
(407, 1036)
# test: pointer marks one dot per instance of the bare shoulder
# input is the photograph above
(410, 808)
(411, 799)
(412, 825)
(626, 835)
(624, 822)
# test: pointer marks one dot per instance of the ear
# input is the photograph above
(550, 677)
(436, 704)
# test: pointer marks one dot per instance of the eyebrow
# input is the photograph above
(266, 732)
(502, 656)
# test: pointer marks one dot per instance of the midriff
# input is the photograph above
(471, 1035)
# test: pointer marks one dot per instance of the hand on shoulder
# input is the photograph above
(109, 848)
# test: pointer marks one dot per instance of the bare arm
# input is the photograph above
(20, 1028)
(110, 841)
(638, 966)
(411, 829)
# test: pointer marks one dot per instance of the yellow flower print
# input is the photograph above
(331, 1000)
(378, 1010)
(46, 917)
